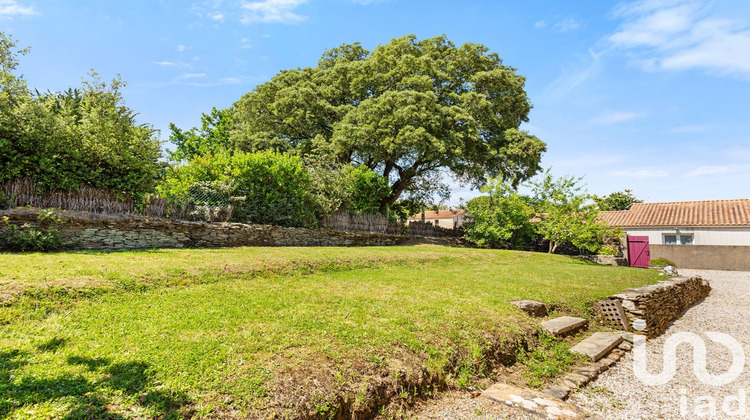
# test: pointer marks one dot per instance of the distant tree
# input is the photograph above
(212, 137)
(499, 217)
(565, 216)
(407, 110)
(620, 200)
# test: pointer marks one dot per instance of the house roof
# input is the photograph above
(437, 214)
(682, 213)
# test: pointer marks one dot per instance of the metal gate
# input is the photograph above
(639, 254)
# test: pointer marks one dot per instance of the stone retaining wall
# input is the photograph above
(658, 305)
(98, 231)
(605, 260)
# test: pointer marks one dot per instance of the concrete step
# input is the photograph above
(597, 345)
(564, 325)
(536, 403)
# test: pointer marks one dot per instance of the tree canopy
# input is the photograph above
(83, 136)
(619, 200)
(565, 214)
(409, 110)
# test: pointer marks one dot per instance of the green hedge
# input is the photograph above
(263, 188)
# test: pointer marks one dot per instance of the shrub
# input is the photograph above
(26, 237)
(264, 188)
(345, 188)
(662, 261)
(83, 136)
(498, 218)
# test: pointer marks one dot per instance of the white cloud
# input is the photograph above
(610, 117)
(191, 76)
(271, 11)
(708, 170)
(182, 48)
(691, 129)
(540, 24)
(682, 35)
(10, 8)
(164, 63)
(218, 16)
(569, 80)
(567, 25)
(641, 173)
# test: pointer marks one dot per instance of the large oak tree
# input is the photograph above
(409, 110)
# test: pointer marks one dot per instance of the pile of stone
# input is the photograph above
(650, 309)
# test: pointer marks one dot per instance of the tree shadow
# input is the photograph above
(89, 397)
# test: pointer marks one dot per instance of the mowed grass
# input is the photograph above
(258, 332)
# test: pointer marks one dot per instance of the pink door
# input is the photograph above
(638, 251)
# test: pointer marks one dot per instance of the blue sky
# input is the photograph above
(649, 95)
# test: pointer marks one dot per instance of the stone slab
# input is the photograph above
(534, 402)
(597, 345)
(564, 325)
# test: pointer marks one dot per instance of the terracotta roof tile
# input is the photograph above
(682, 213)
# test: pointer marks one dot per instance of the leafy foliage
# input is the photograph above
(662, 261)
(266, 187)
(44, 237)
(547, 359)
(565, 216)
(499, 217)
(345, 188)
(83, 136)
(620, 200)
(406, 110)
(212, 137)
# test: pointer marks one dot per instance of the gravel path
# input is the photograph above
(618, 394)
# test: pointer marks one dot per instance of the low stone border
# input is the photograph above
(584, 374)
(99, 231)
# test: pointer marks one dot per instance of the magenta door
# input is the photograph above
(638, 251)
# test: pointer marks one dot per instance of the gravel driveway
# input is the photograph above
(618, 394)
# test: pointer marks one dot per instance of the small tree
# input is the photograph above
(565, 216)
(212, 137)
(499, 217)
(620, 200)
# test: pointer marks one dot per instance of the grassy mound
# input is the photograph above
(263, 332)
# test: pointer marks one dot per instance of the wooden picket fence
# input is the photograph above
(372, 223)
(430, 230)
(24, 192)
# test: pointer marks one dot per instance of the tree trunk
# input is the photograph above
(396, 190)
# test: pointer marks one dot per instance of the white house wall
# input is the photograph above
(701, 236)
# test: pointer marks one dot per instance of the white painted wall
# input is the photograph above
(701, 236)
(443, 223)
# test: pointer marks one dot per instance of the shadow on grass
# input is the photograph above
(86, 399)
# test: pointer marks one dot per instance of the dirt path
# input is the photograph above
(619, 394)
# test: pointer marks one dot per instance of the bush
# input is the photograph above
(662, 261)
(502, 217)
(345, 188)
(44, 237)
(263, 188)
(83, 136)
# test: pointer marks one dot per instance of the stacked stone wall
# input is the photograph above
(658, 305)
(98, 231)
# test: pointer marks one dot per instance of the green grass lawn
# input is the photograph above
(267, 331)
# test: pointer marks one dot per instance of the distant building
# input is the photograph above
(712, 234)
(449, 219)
